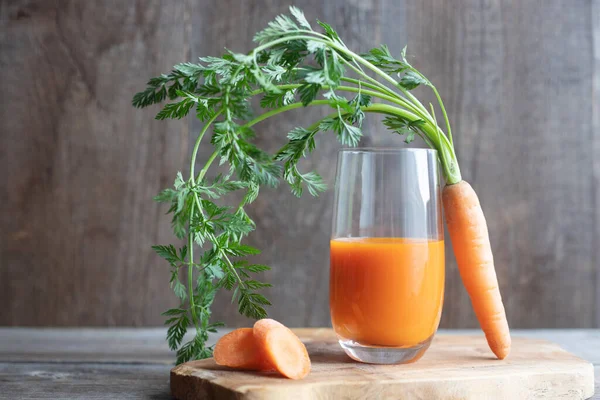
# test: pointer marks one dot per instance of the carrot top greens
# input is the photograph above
(293, 66)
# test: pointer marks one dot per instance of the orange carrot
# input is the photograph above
(282, 348)
(238, 349)
(471, 244)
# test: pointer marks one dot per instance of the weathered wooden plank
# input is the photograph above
(521, 84)
(83, 381)
(84, 345)
(595, 21)
(79, 165)
(110, 363)
(97, 381)
(148, 345)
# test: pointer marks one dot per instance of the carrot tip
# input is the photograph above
(501, 352)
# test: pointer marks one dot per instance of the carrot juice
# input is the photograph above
(386, 291)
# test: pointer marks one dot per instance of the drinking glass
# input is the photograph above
(387, 254)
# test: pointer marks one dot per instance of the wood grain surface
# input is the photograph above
(133, 363)
(137, 345)
(521, 82)
(454, 367)
(84, 381)
(79, 166)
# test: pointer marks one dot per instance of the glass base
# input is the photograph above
(383, 354)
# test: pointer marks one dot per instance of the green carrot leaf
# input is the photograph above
(299, 15)
(404, 127)
(168, 252)
(411, 80)
(308, 92)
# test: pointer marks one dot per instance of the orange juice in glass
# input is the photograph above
(387, 254)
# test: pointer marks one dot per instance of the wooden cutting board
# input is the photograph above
(454, 367)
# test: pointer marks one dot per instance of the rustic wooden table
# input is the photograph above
(135, 363)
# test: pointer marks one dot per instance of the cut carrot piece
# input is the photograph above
(238, 349)
(282, 348)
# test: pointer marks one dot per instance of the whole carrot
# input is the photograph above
(471, 244)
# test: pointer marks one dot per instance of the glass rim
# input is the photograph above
(386, 150)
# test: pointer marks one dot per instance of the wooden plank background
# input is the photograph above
(521, 82)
